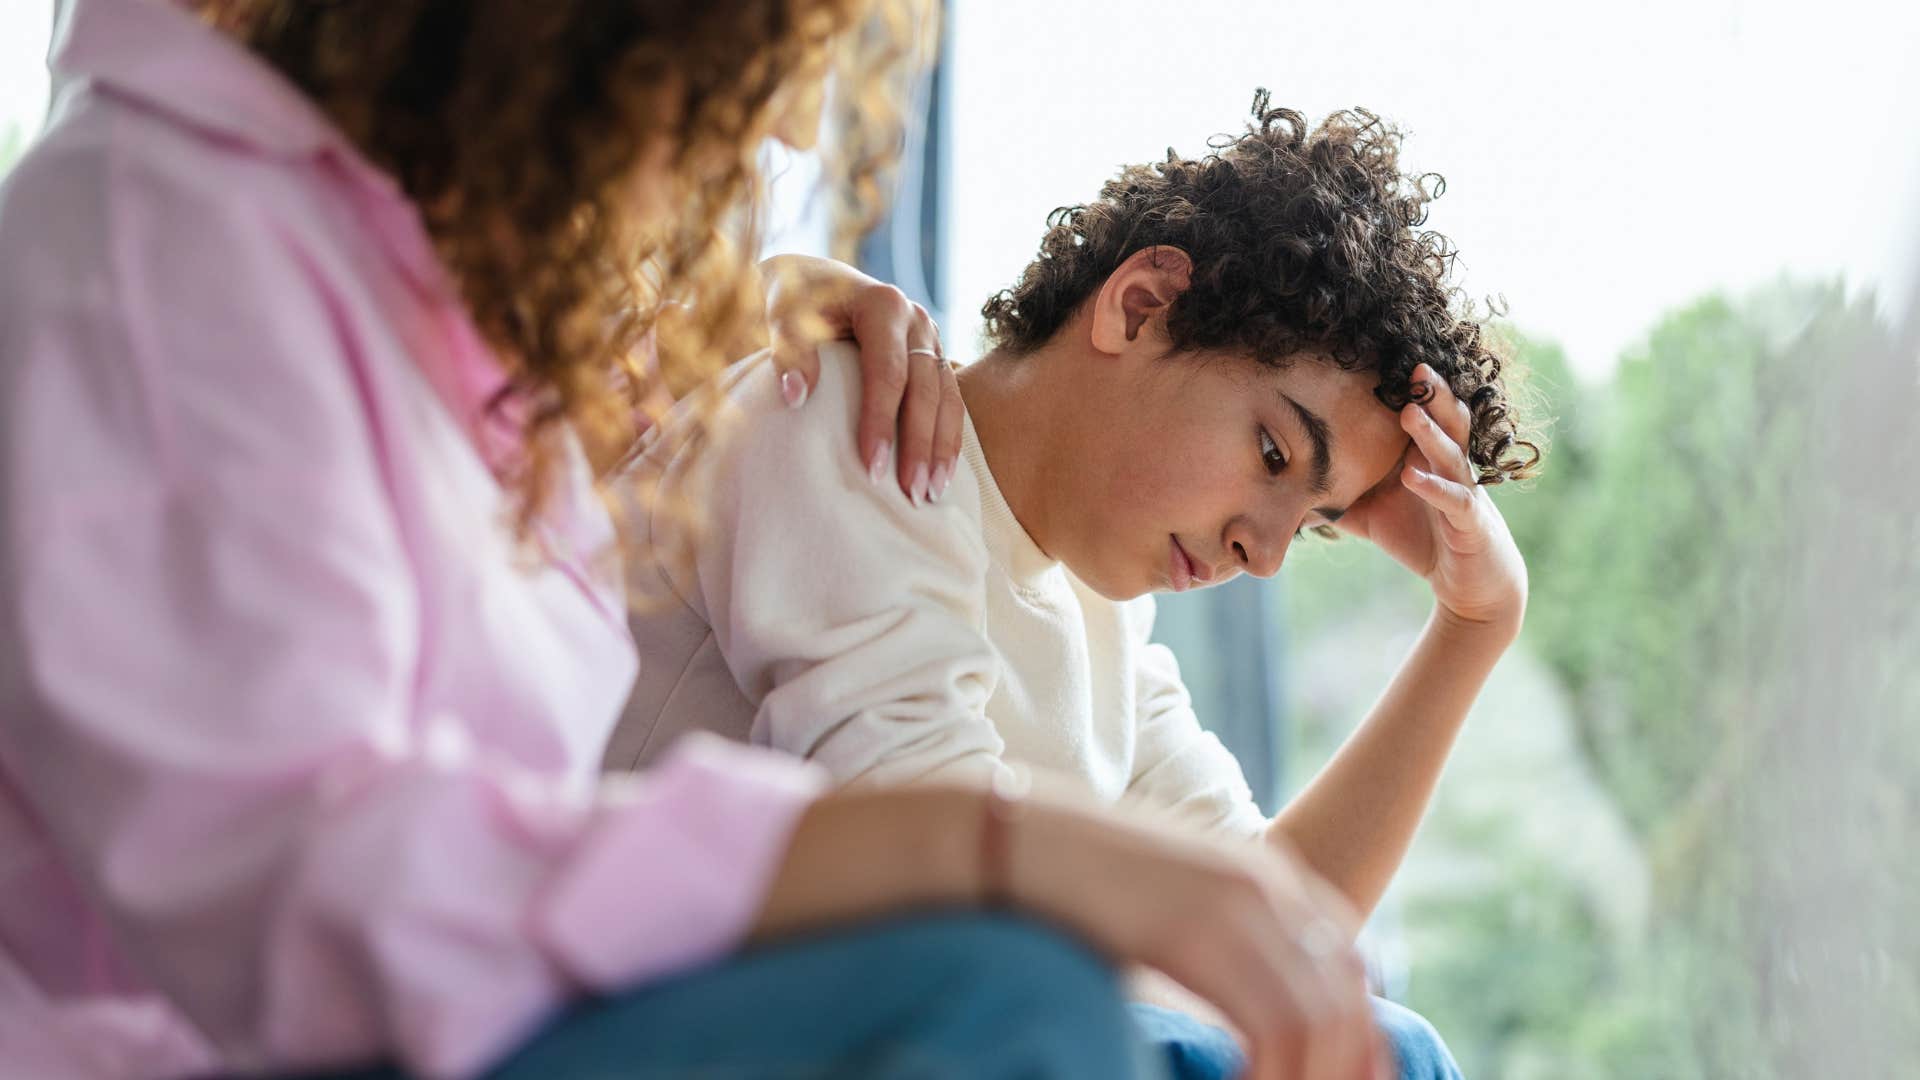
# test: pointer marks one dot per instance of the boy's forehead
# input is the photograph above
(1344, 398)
(1365, 441)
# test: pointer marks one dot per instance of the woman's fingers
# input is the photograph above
(1309, 992)
(1271, 1005)
(1319, 1031)
(1343, 1049)
(947, 429)
(880, 316)
(799, 318)
(920, 412)
(905, 389)
(1365, 1041)
(910, 407)
(799, 367)
(1382, 1064)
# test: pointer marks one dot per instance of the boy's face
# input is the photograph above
(1191, 469)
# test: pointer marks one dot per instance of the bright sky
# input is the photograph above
(1604, 162)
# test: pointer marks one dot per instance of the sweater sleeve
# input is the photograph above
(1177, 763)
(853, 621)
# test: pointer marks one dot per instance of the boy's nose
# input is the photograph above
(1259, 556)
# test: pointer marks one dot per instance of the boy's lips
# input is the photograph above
(1186, 571)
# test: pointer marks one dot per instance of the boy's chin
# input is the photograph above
(1120, 589)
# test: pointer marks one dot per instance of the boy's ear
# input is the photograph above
(1136, 293)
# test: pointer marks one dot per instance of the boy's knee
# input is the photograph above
(1025, 960)
(1030, 986)
(1419, 1052)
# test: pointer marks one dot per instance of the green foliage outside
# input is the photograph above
(1726, 573)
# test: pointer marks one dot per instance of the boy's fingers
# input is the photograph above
(1454, 501)
(1447, 410)
(1446, 456)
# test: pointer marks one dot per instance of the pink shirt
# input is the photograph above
(297, 756)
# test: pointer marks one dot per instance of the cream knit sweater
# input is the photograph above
(826, 616)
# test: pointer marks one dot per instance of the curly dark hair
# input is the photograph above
(1302, 241)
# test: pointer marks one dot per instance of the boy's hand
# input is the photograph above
(1441, 524)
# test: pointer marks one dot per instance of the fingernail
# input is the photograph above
(877, 468)
(793, 388)
(919, 490)
(941, 474)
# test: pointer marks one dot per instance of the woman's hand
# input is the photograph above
(1441, 524)
(1246, 928)
(909, 397)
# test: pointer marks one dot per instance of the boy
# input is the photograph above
(1212, 357)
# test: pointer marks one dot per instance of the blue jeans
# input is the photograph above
(954, 997)
(1197, 1051)
(958, 997)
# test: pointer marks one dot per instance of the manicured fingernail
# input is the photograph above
(793, 388)
(918, 492)
(877, 468)
(941, 474)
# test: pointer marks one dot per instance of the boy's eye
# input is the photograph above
(1270, 455)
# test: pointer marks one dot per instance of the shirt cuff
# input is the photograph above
(673, 874)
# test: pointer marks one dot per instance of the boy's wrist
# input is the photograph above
(1501, 626)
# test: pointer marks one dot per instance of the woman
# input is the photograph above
(310, 349)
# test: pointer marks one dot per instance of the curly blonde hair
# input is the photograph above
(520, 128)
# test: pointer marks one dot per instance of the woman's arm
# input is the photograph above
(209, 678)
(1253, 936)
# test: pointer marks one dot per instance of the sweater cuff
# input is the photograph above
(673, 874)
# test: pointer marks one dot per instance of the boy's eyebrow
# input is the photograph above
(1331, 514)
(1322, 437)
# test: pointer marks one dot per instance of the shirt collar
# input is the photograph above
(157, 53)
(1008, 542)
